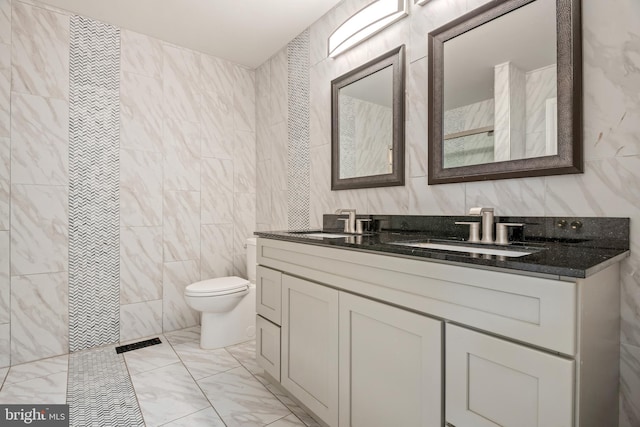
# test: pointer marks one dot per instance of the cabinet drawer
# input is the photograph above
(490, 382)
(268, 346)
(269, 294)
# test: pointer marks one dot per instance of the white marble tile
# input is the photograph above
(217, 191)
(176, 314)
(37, 369)
(40, 140)
(140, 188)
(5, 21)
(263, 191)
(5, 344)
(149, 358)
(140, 264)
(51, 389)
(263, 112)
(630, 288)
(629, 386)
(140, 54)
(320, 104)
(322, 199)
(181, 156)
(140, 320)
(607, 188)
(181, 82)
(416, 127)
(245, 353)
(289, 403)
(216, 125)
(5, 283)
(166, 394)
(388, 200)
(40, 51)
(183, 335)
(446, 199)
(244, 160)
(5, 182)
(204, 418)
(181, 225)
(611, 31)
(241, 400)
(3, 375)
(279, 81)
(39, 316)
(244, 224)
(217, 251)
(289, 421)
(280, 156)
(141, 114)
(203, 363)
(509, 196)
(427, 18)
(218, 75)
(244, 100)
(39, 229)
(5, 89)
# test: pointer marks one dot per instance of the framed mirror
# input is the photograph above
(367, 124)
(505, 92)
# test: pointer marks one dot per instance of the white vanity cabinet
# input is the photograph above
(310, 346)
(491, 382)
(390, 365)
(369, 339)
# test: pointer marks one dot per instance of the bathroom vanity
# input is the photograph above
(363, 331)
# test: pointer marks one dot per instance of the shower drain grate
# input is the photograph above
(137, 345)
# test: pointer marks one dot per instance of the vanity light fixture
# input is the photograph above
(365, 23)
(420, 2)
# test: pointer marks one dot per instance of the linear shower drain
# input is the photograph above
(137, 345)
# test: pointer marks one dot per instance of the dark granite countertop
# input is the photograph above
(555, 252)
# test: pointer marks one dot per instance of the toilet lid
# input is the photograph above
(219, 285)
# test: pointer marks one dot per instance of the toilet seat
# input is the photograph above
(217, 287)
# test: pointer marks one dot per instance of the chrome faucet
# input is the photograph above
(350, 223)
(487, 223)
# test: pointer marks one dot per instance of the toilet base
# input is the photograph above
(233, 327)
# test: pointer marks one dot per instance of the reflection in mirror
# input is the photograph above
(368, 124)
(505, 92)
(496, 101)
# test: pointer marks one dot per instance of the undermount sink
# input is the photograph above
(462, 248)
(325, 235)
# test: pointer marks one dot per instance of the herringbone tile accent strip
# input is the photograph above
(94, 199)
(99, 391)
(299, 152)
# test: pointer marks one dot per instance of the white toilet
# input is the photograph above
(228, 305)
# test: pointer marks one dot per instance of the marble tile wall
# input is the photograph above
(187, 179)
(609, 186)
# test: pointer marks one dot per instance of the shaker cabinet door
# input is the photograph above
(490, 382)
(390, 366)
(309, 368)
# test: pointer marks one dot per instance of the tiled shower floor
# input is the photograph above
(176, 384)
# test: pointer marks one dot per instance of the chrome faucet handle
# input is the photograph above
(502, 235)
(360, 225)
(474, 230)
(350, 226)
(346, 224)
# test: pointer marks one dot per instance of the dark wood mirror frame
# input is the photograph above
(396, 59)
(569, 77)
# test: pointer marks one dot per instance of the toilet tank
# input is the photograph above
(251, 259)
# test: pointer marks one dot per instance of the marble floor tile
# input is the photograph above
(246, 354)
(149, 358)
(167, 394)
(241, 400)
(202, 363)
(3, 375)
(51, 389)
(205, 418)
(37, 369)
(183, 335)
(289, 403)
(290, 421)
